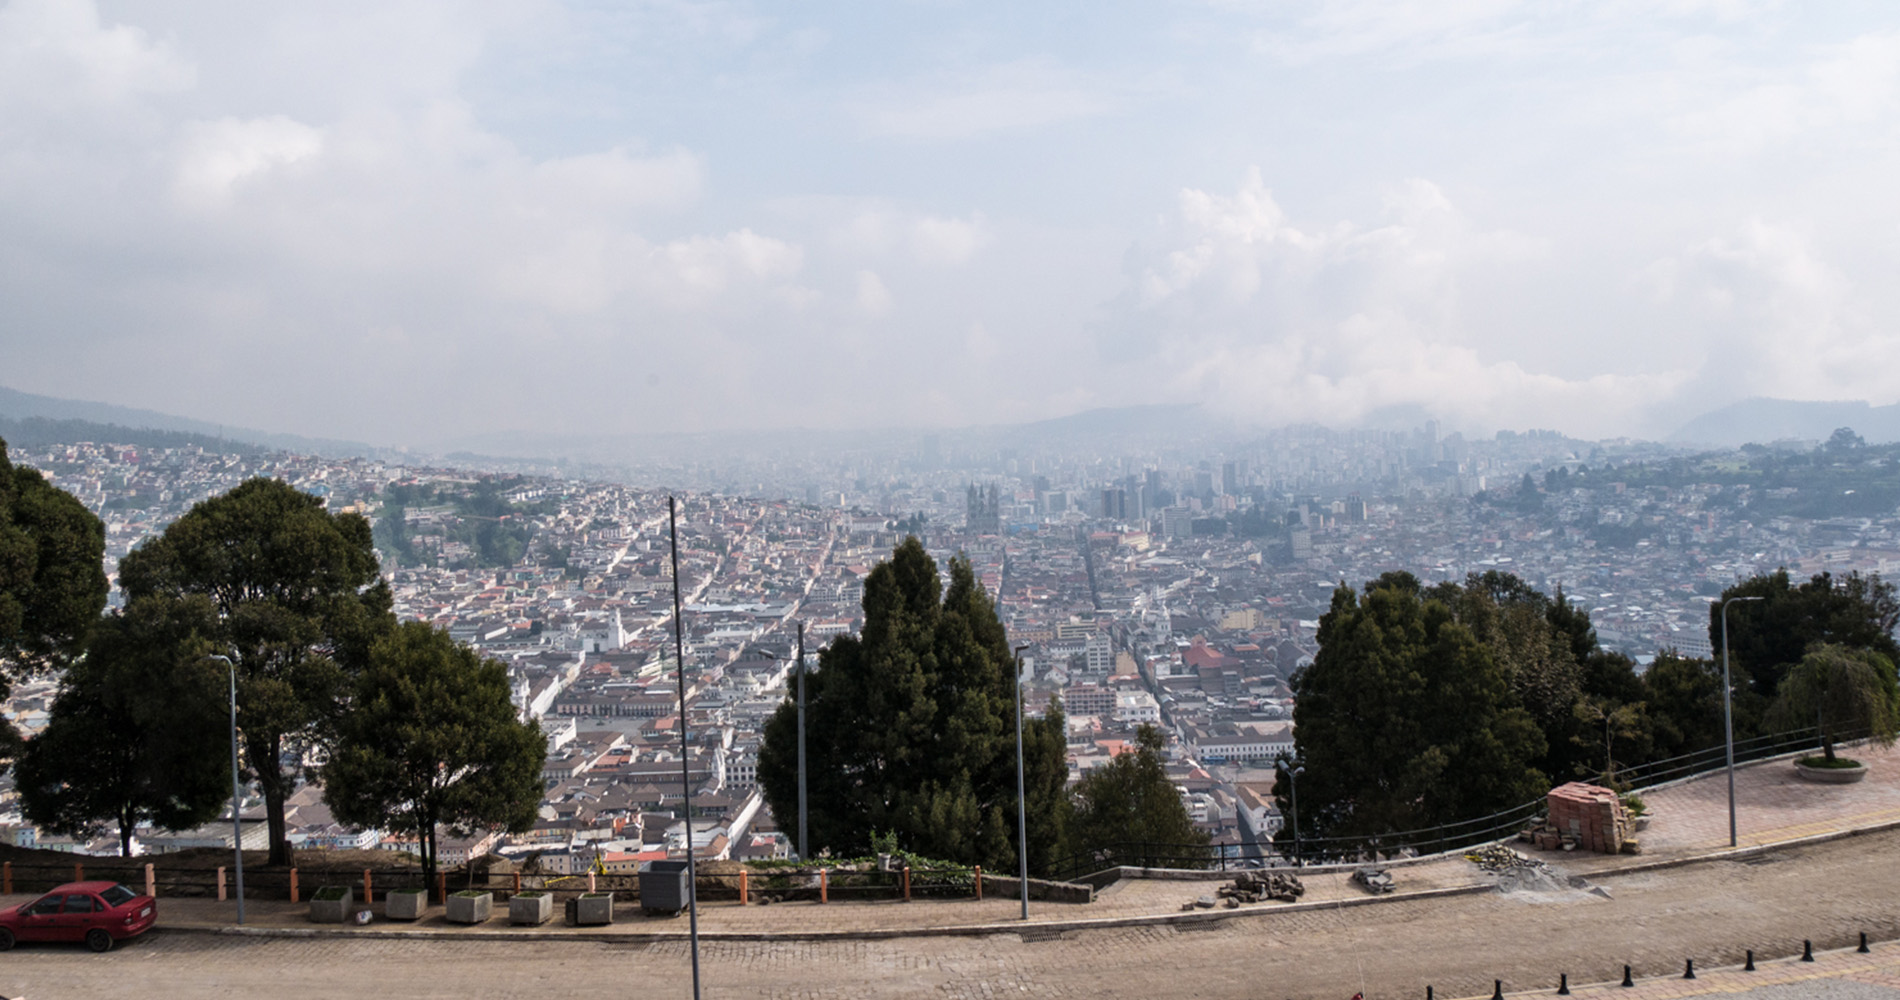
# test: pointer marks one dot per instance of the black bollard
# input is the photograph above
(1863, 943)
(1497, 989)
(1688, 970)
(1563, 984)
(1627, 981)
(1807, 950)
(1428, 993)
(1749, 966)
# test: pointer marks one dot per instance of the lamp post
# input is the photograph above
(1022, 810)
(237, 800)
(1294, 769)
(803, 844)
(1728, 717)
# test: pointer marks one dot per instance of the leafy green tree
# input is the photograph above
(138, 732)
(1130, 800)
(298, 603)
(1843, 691)
(1684, 700)
(433, 740)
(1406, 719)
(52, 578)
(1768, 637)
(910, 726)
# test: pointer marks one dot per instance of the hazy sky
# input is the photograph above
(402, 222)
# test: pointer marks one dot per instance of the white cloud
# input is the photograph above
(216, 155)
(1015, 97)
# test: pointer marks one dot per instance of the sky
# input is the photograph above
(412, 222)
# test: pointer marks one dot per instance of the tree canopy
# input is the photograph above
(138, 732)
(1845, 692)
(297, 604)
(1768, 637)
(52, 578)
(1406, 719)
(432, 739)
(1130, 801)
(910, 727)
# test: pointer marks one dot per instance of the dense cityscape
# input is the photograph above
(1171, 588)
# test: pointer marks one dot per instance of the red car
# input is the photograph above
(97, 913)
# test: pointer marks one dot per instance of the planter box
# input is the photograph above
(530, 908)
(664, 887)
(406, 904)
(591, 909)
(330, 905)
(466, 908)
(1830, 775)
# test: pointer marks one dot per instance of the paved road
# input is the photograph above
(1711, 911)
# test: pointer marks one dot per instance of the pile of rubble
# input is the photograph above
(1255, 887)
(1516, 872)
(1377, 881)
(1498, 859)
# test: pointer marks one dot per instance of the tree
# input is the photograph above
(1684, 699)
(1130, 800)
(298, 604)
(1405, 719)
(1768, 637)
(433, 740)
(910, 726)
(1844, 691)
(52, 578)
(138, 731)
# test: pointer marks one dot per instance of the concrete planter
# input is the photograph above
(591, 909)
(470, 906)
(330, 905)
(406, 904)
(1830, 775)
(530, 908)
(664, 888)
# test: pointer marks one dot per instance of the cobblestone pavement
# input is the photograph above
(1653, 920)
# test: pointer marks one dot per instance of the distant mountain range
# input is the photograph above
(18, 405)
(1761, 420)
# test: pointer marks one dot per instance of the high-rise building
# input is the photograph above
(983, 507)
(1230, 479)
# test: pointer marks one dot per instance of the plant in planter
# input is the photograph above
(471, 906)
(330, 904)
(1843, 690)
(530, 908)
(406, 904)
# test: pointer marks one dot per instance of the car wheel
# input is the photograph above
(98, 940)
(6, 939)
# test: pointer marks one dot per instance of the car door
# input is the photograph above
(39, 920)
(78, 915)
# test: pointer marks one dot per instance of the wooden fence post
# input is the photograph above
(293, 885)
(442, 887)
(151, 881)
(743, 887)
(517, 881)
(369, 895)
(79, 872)
(591, 885)
(824, 885)
(6, 877)
(906, 883)
(979, 883)
(220, 883)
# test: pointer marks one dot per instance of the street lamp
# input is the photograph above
(1728, 717)
(1294, 769)
(1022, 811)
(803, 844)
(237, 801)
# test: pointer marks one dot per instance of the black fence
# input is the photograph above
(1438, 839)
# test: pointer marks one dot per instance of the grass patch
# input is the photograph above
(1837, 764)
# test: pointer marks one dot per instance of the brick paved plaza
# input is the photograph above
(1652, 916)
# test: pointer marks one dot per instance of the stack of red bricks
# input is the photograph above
(1590, 816)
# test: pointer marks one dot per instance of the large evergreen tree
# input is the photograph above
(910, 727)
(1406, 719)
(298, 603)
(138, 732)
(52, 578)
(431, 740)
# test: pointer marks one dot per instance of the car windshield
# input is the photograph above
(118, 894)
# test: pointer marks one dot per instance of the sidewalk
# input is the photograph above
(1879, 967)
(1690, 823)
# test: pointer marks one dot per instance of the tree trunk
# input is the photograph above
(126, 822)
(271, 784)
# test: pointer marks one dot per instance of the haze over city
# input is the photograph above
(419, 223)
